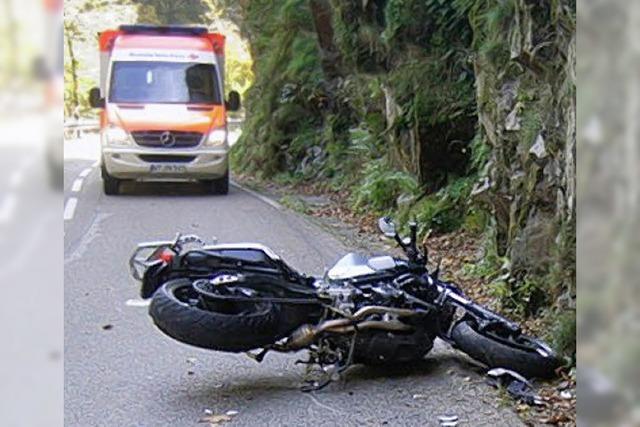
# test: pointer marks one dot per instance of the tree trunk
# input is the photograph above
(330, 55)
(74, 71)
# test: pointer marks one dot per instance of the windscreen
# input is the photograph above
(164, 82)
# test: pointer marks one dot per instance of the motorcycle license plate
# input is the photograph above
(167, 168)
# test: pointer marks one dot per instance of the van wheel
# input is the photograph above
(110, 185)
(220, 185)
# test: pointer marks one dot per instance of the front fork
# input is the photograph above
(448, 295)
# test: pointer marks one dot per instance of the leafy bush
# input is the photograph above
(380, 187)
(563, 333)
(445, 210)
(525, 297)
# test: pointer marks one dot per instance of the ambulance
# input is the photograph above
(163, 112)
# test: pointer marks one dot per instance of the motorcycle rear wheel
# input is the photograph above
(176, 311)
(528, 356)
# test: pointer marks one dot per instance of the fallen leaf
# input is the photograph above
(215, 420)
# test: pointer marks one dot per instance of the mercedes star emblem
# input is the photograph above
(167, 139)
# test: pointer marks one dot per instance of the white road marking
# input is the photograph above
(7, 207)
(85, 172)
(92, 233)
(70, 208)
(138, 302)
(77, 185)
(259, 196)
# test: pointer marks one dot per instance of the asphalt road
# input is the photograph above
(121, 371)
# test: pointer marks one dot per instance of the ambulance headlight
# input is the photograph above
(115, 135)
(216, 138)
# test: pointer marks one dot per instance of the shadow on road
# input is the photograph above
(173, 189)
(357, 379)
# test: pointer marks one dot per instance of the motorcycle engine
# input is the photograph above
(375, 346)
(342, 295)
(349, 296)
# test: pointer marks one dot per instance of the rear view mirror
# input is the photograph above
(387, 227)
(233, 103)
(95, 100)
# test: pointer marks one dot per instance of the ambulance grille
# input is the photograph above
(167, 139)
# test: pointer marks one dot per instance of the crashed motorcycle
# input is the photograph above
(376, 310)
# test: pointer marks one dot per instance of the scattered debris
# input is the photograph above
(215, 420)
(107, 327)
(501, 373)
(565, 394)
(448, 420)
(419, 396)
(517, 386)
(524, 392)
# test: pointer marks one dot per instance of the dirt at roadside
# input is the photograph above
(453, 251)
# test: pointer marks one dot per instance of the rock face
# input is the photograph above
(525, 86)
(383, 97)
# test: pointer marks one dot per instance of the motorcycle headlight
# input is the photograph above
(115, 135)
(216, 138)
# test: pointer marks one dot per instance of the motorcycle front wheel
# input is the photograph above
(177, 310)
(525, 355)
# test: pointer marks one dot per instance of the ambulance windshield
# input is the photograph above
(157, 82)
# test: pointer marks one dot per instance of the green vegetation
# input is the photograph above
(455, 113)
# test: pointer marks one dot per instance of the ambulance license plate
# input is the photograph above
(167, 168)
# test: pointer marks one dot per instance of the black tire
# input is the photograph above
(500, 354)
(110, 185)
(232, 332)
(220, 185)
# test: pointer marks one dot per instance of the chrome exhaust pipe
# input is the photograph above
(384, 325)
(306, 334)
